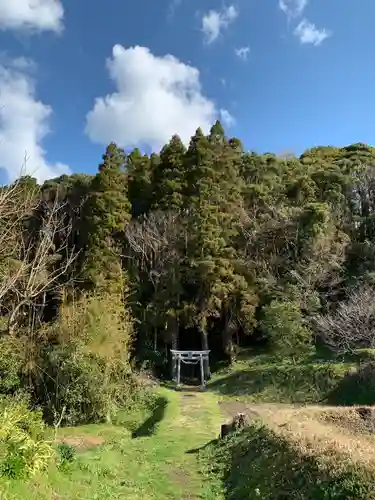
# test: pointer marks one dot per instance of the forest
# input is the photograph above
(207, 246)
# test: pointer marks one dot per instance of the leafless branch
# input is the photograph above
(352, 325)
(29, 264)
(152, 241)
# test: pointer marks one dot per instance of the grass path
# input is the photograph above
(155, 467)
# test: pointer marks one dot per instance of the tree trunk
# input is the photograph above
(155, 339)
(173, 335)
(227, 338)
(205, 347)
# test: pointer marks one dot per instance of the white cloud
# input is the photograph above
(31, 15)
(155, 98)
(293, 8)
(172, 7)
(308, 33)
(23, 125)
(242, 53)
(227, 119)
(19, 63)
(215, 21)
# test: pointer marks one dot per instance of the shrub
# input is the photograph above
(87, 375)
(284, 325)
(357, 387)
(23, 448)
(260, 464)
(66, 453)
(10, 364)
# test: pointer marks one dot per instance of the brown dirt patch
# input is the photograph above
(148, 380)
(189, 404)
(82, 442)
(181, 478)
(232, 408)
(190, 389)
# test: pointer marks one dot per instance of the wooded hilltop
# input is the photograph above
(208, 246)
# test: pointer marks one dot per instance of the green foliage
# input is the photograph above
(10, 365)
(156, 467)
(94, 341)
(357, 387)
(66, 453)
(207, 246)
(284, 325)
(273, 379)
(23, 448)
(204, 237)
(170, 177)
(107, 212)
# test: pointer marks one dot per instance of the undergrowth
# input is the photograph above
(23, 447)
(260, 464)
(264, 378)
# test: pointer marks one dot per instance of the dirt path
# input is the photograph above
(192, 419)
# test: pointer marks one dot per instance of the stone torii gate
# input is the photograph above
(188, 358)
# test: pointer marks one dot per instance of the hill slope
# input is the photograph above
(305, 453)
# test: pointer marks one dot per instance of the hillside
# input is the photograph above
(307, 453)
(268, 262)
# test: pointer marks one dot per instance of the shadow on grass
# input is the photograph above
(201, 449)
(356, 388)
(283, 382)
(148, 427)
(259, 464)
(172, 386)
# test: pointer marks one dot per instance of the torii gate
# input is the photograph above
(189, 358)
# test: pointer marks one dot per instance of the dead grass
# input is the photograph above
(296, 452)
(347, 433)
(330, 433)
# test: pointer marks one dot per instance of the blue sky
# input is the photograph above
(283, 75)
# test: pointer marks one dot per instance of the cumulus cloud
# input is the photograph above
(214, 22)
(31, 15)
(227, 119)
(308, 33)
(293, 8)
(155, 98)
(23, 125)
(242, 53)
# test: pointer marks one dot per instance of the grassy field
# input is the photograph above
(268, 379)
(172, 452)
(145, 461)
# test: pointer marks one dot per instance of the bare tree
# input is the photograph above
(352, 324)
(16, 204)
(154, 246)
(30, 264)
(152, 239)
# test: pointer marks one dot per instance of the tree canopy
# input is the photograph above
(209, 246)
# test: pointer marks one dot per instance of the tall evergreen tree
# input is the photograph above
(214, 207)
(169, 179)
(108, 211)
(139, 169)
